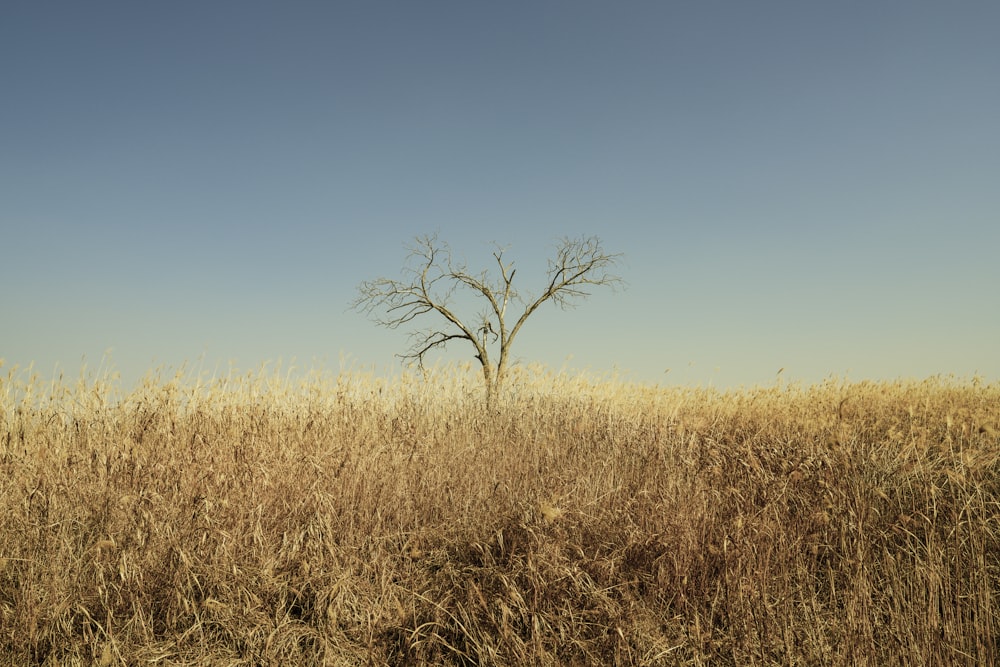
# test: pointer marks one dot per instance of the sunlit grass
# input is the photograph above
(347, 519)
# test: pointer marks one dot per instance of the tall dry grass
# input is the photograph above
(348, 520)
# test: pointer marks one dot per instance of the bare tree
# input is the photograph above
(432, 277)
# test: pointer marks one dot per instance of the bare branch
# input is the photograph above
(578, 262)
(426, 341)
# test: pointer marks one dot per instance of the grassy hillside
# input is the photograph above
(346, 520)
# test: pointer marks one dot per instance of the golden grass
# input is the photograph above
(347, 520)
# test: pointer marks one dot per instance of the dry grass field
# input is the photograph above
(347, 520)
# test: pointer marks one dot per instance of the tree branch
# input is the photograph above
(403, 302)
(578, 262)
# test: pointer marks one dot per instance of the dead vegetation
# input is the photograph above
(346, 520)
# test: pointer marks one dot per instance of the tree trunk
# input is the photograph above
(488, 382)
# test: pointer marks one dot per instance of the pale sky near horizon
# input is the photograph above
(807, 186)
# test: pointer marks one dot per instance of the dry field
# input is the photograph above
(345, 520)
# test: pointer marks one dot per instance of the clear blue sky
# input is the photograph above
(807, 186)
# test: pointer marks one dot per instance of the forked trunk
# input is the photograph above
(492, 383)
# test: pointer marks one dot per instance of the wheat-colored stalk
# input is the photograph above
(352, 519)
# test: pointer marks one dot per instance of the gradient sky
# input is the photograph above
(797, 185)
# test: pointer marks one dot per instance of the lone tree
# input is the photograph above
(432, 277)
